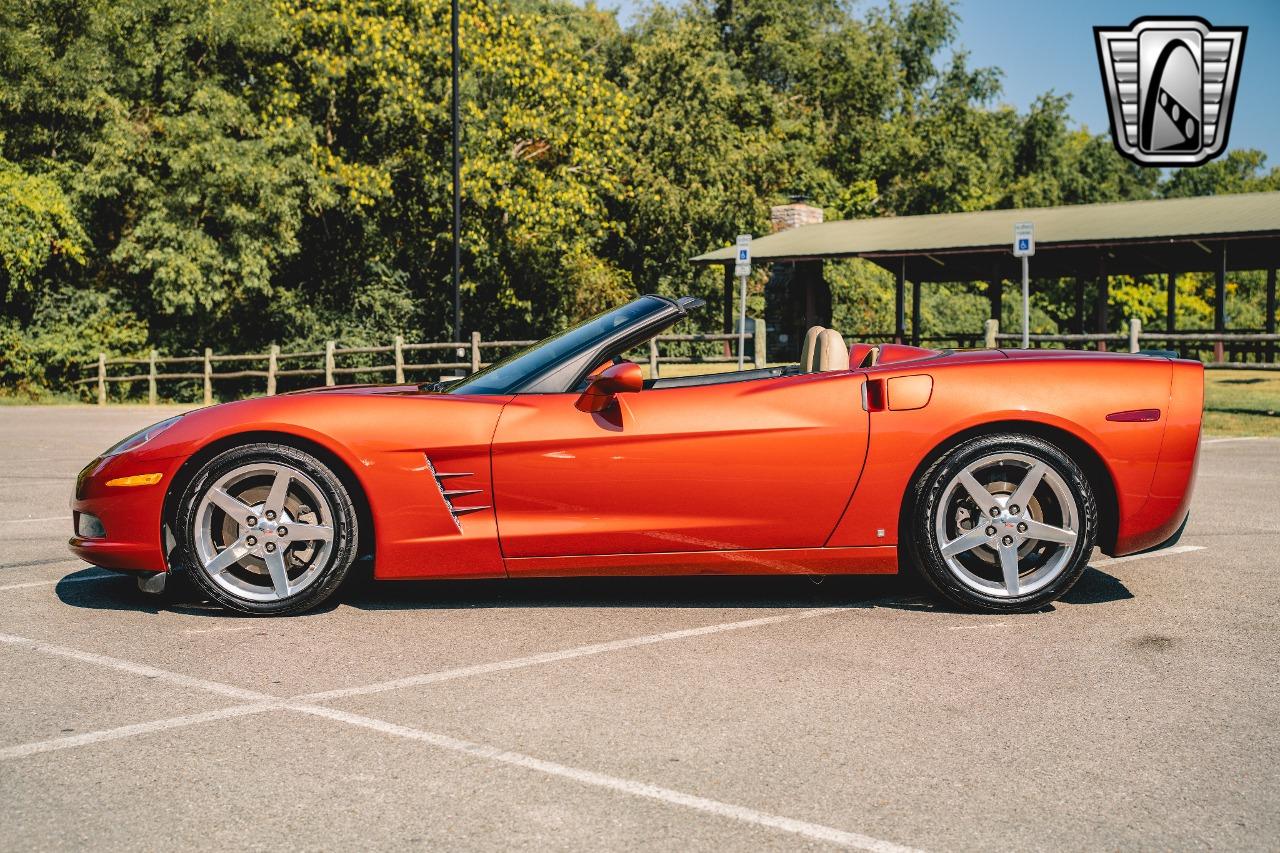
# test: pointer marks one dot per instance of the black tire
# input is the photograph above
(924, 550)
(325, 579)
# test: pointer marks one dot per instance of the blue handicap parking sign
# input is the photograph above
(742, 254)
(1024, 244)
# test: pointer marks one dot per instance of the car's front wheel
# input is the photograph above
(266, 529)
(1003, 523)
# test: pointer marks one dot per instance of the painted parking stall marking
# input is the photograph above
(262, 703)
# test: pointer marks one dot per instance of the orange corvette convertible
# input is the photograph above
(992, 473)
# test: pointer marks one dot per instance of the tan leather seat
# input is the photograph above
(831, 352)
(809, 348)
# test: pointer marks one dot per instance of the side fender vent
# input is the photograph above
(449, 495)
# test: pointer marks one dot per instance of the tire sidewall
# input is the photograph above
(345, 524)
(927, 555)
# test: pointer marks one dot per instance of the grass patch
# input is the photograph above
(1242, 402)
(10, 397)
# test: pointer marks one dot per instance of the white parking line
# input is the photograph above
(260, 702)
(30, 584)
(33, 520)
(564, 654)
(631, 787)
(1237, 438)
(139, 669)
(1164, 552)
(136, 729)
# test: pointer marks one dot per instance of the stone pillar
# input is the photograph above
(796, 296)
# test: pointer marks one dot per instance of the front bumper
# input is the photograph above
(131, 516)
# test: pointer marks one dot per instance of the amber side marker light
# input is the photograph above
(136, 480)
(1135, 416)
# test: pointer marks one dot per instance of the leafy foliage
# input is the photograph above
(236, 173)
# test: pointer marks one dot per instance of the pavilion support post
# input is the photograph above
(1271, 313)
(1171, 307)
(899, 304)
(1101, 297)
(995, 292)
(728, 298)
(1220, 300)
(915, 313)
(1079, 324)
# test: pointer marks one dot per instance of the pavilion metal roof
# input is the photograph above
(1139, 236)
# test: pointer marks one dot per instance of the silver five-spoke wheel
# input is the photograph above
(1006, 524)
(1003, 522)
(266, 528)
(263, 531)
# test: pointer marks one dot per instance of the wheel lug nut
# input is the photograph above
(1013, 509)
(271, 546)
(251, 520)
(251, 541)
(1022, 528)
(991, 531)
(1008, 540)
(995, 511)
(282, 531)
(270, 515)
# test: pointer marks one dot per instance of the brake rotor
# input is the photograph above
(294, 511)
(965, 519)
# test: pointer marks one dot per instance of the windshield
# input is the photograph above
(507, 375)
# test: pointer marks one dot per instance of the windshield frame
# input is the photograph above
(561, 370)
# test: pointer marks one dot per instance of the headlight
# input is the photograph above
(142, 436)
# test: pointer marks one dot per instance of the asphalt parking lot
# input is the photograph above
(1141, 712)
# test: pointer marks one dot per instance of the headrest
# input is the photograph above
(808, 348)
(832, 354)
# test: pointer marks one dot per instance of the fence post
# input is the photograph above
(760, 353)
(102, 379)
(653, 358)
(399, 350)
(1135, 334)
(273, 358)
(990, 329)
(328, 362)
(151, 378)
(475, 352)
(208, 376)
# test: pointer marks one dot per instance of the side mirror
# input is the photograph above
(618, 379)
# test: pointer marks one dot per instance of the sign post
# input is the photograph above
(742, 269)
(1024, 246)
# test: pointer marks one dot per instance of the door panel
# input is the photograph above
(749, 465)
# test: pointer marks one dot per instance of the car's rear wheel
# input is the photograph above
(1003, 523)
(266, 529)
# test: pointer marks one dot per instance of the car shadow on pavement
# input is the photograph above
(728, 591)
(1096, 587)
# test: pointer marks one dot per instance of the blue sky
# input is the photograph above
(1049, 45)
